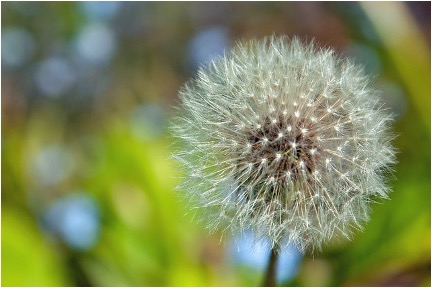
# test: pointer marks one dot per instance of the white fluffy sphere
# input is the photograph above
(285, 139)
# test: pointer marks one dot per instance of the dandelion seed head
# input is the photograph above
(313, 149)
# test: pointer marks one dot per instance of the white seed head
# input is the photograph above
(314, 147)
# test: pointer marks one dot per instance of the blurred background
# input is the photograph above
(87, 182)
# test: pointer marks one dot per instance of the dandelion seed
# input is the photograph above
(312, 152)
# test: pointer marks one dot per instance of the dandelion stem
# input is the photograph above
(270, 277)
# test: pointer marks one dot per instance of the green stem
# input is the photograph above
(270, 277)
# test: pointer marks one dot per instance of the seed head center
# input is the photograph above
(287, 151)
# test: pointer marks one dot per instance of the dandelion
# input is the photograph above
(286, 140)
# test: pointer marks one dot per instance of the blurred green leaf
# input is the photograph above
(27, 260)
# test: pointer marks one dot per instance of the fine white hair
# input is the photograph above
(284, 139)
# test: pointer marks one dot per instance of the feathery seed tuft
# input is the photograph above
(285, 139)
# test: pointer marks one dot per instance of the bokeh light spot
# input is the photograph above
(207, 44)
(54, 77)
(96, 43)
(17, 47)
(75, 219)
(100, 9)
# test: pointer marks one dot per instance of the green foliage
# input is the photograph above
(27, 258)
